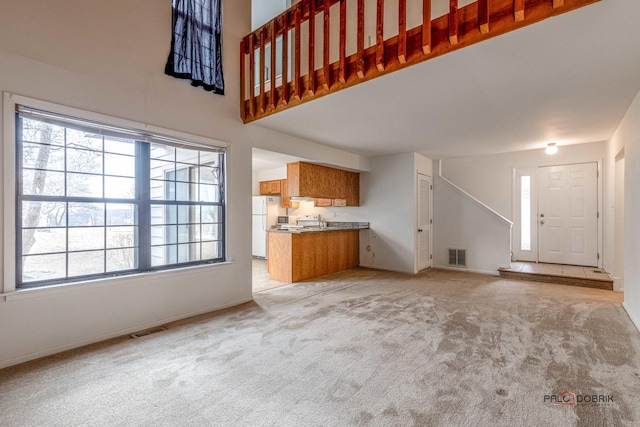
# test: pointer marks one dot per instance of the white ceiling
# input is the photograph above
(568, 79)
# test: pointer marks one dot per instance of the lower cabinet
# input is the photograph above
(295, 257)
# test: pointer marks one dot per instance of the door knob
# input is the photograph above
(541, 222)
(419, 230)
(541, 215)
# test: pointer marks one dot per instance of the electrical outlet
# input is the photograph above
(373, 255)
(369, 248)
(336, 215)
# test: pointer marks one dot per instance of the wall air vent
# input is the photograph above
(458, 257)
(148, 332)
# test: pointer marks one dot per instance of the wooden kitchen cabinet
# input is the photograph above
(321, 182)
(271, 188)
(294, 257)
(285, 199)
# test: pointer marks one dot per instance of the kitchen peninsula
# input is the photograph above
(304, 253)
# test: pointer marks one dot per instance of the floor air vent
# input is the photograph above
(148, 332)
(458, 257)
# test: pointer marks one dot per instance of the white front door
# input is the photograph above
(568, 214)
(424, 222)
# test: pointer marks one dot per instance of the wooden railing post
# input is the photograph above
(263, 42)
(272, 92)
(285, 59)
(360, 42)
(402, 31)
(426, 26)
(343, 42)
(326, 66)
(483, 16)
(311, 88)
(380, 35)
(243, 80)
(453, 21)
(518, 10)
(252, 74)
(296, 75)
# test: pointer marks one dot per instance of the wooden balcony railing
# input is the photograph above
(308, 58)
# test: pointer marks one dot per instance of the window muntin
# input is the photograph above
(86, 205)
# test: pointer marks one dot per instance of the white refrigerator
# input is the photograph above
(264, 214)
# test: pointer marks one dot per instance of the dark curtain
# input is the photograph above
(196, 44)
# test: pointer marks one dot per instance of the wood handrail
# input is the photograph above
(461, 27)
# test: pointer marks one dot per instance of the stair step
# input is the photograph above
(605, 282)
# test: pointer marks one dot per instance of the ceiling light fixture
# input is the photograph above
(551, 149)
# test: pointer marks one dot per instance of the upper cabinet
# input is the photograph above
(271, 188)
(321, 182)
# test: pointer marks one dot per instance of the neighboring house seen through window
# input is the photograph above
(97, 201)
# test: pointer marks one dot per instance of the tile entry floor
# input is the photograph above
(560, 270)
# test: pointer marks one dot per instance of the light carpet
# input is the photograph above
(360, 347)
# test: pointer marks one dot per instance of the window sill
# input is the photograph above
(178, 273)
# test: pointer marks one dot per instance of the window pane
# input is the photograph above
(184, 155)
(188, 252)
(119, 188)
(188, 214)
(86, 214)
(43, 267)
(163, 152)
(211, 232)
(188, 233)
(121, 259)
(185, 191)
(37, 131)
(211, 250)
(85, 238)
(161, 214)
(209, 193)
(83, 263)
(525, 213)
(119, 146)
(44, 214)
(164, 255)
(183, 173)
(115, 164)
(45, 183)
(162, 190)
(43, 240)
(41, 156)
(210, 213)
(209, 175)
(121, 237)
(82, 185)
(210, 159)
(164, 235)
(121, 214)
(81, 139)
(162, 170)
(84, 161)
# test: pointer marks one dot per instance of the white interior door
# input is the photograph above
(424, 222)
(568, 214)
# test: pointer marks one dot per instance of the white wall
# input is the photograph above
(388, 202)
(490, 179)
(460, 222)
(628, 137)
(92, 56)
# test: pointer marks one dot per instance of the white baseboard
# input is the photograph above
(114, 334)
(635, 321)
(382, 268)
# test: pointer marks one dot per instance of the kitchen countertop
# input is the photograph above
(331, 226)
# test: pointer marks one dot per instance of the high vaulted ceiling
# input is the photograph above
(569, 79)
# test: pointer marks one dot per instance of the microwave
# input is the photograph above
(286, 219)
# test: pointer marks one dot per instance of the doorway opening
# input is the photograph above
(557, 215)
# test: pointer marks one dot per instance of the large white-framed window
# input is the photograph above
(96, 197)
